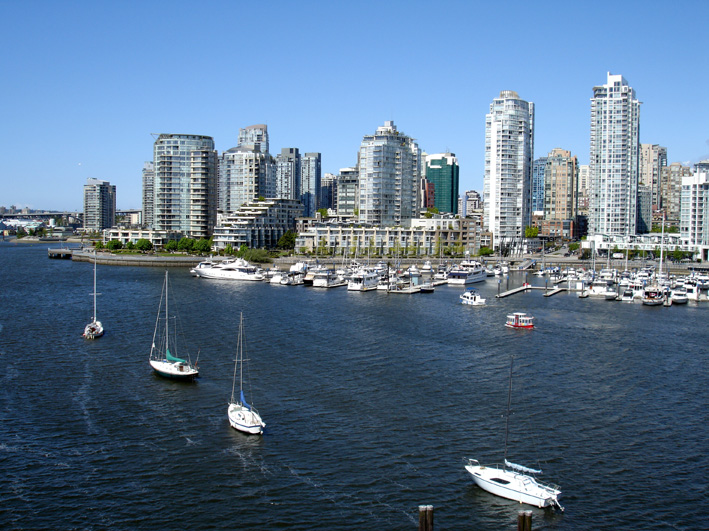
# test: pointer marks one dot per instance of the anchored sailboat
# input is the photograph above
(94, 329)
(242, 415)
(513, 481)
(161, 359)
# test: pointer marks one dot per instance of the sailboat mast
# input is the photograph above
(167, 335)
(509, 403)
(241, 352)
(94, 285)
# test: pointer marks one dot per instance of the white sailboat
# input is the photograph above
(164, 362)
(512, 481)
(242, 415)
(94, 329)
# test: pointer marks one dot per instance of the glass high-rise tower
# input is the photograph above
(442, 170)
(614, 158)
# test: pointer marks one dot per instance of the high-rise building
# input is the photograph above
(538, 168)
(310, 176)
(389, 166)
(185, 184)
(582, 190)
(670, 189)
(288, 174)
(99, 205)
(346, 198)
(247, 171)
(560, 177)
(614, 158)
(469, 202)
(148, 193)
(443, 172)
(328, 191)
(652, 159)
(254, 138)
(644, 209)
(509, 148)
(694, 222)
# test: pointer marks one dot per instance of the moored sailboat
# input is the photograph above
(513, 481)
(164, 362)
(94, 329)
(242, 415)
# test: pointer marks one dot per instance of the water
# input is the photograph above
(371, 402)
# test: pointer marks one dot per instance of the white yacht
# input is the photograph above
(236, 269)
(472, 297)
(328, 279)
(363, 280)
(679, 295)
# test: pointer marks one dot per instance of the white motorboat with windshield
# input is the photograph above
(679, 295)
(328, 279)
(236, 269)
(513, 481)
(363, 280)
(472, 297)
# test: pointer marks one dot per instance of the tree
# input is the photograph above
(169, 246)
(485, 251)
(114, 245)
(203, 245)
(287, 241)
(130, 246)
(98, 246)
(323, 212)
(185, 244)
(531, 232)
(143, 244)
(229, 250)
(20, 232)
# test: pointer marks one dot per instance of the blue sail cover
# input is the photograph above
(172, 358)
(243, 401)
(522, 468)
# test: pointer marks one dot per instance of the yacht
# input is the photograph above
(679, 295)
(472, 297)
(653, 296)
(363, 280)
(328, 279)
(236, 269)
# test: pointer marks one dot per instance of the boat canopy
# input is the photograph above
(172, 358)
(521, 468)
(243, 401)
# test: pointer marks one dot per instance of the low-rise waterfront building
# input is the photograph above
(159, 238)
(257, 224)
(417, 236)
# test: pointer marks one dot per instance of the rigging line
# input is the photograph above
(509, 402)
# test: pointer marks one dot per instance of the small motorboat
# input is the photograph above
(472, 297)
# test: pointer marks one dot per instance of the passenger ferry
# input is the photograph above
(520, 320)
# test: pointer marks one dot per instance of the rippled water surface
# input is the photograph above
(371, 400)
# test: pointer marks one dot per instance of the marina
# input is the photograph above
(346, 380)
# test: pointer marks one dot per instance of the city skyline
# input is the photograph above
(88, 83)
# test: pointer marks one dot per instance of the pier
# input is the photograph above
(60, 253)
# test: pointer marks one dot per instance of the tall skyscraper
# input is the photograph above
(310, 177)
(442, 170)
(509, 148)
(670, 189)
(99, 205)
(185, 184)
(614, 158)
(346, 199)
(288, 174)
(247, 171)
(148, 193)
(560, 176)
(389, 166)
(652, 159)
(538, 168)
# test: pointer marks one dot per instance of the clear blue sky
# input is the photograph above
(84, 84)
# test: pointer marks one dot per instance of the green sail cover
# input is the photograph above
(170, 357)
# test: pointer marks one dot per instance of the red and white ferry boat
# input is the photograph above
(520, 320)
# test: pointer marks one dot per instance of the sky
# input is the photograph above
(84, 85)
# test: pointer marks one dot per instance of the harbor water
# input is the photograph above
(371, 403)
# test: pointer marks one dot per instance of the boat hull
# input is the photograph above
(93, 330)
(176, 371)
(244, 419)
(513, 486)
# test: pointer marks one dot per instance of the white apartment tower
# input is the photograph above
(509, 148)
(148, 193)
(99, 205)
(652, 159)
(614, 159)
(694, 220)
(247, 171)
(185, 185)
(389, 167)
